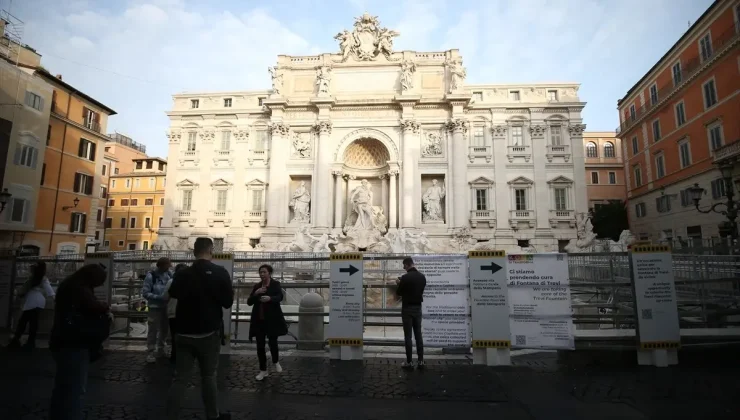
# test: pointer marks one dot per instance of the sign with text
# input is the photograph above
(489, 297)
(105, 260)
(539, 301)
(655, 296)
(226, 261)
(345, 300)
(6, 290)
(446, 307)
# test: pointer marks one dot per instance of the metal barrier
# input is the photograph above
(708, 288)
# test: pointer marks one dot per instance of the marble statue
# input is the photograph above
(300, 242)
(277, 80)
(385, 41)
(408, 68)
(362, 206)
(367, 40)
(321, 244)
(432, 200)
(418, 243)
(301, 145)
(344, 243)
(323, 77)
(300, 202)
(462, 241)
(433, 146)
(457, 74)
(346, 43)
(585, 236)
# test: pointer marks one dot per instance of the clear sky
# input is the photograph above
(133, 55)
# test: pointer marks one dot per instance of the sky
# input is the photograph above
(133, 55)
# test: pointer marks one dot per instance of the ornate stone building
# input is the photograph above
(369, 142)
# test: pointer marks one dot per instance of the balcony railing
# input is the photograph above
(484, 216)
(561, 216)
(259, 216)
(519, 151)
(516, 216)
(727, 151)
(479, 151)
(184, 213)
(689, 69)
(558, 150)
(91, 124)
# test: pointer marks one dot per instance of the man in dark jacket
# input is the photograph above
(202, 291)
(411, 291)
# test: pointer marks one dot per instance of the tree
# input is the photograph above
(609, 220)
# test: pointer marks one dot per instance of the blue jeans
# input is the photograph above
(70, 383)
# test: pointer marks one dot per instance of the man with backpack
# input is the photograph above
(155, 287)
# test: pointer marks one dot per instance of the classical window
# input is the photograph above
(194, 103)
(481, 190)
(677, 75)
(660, 166)
(83, 184)
(152, 182)
(148, 201)
(640, 210)
(220, 200)
(479, 137)
(594, 177)
(113, 184)
(192, 140)
(663, 204)
(255, 212)
(128, 182)
(99, 215)
(520, 197)
(19, 209)
(514, 95)
(103, 192)
(111, 202)
(91, 119)
(592, 150)
(78, 222)
(680, 114)
(124, 202)
(635, 145)
(653, 94)
(137, 182)
(86, 149)
(521, 188)
(108, 223)
(147, 222)
(259, 142)
(34, 101)
(186, 190)
(656, 130)
(552, 95)
(257, 200)
(517, 135)
(132, 223)
(187, 200)
(705, 47)
(637, 175)
(556, 135)
(159, 222)
(149, 164)
(609, 150)
(561, 188)
(477, 96)
(718, 188)
(612, 178)
(714, 134)
(134, 201)
(709, 90)
(684, 153)
(225, 140)
(227, 102)
(633, 113)
(26, 155)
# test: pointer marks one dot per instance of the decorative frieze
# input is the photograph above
(279, 129)
(457, 126)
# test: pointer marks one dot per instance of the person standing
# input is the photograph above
(171, 314)
(203, 291)
(267, 322)
(35, 291)
(155, 285)
(411, 291)
(81, 325)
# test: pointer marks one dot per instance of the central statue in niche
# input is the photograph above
(365, 223)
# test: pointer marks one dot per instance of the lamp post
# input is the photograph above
(4, 198)
(728, 228)
(76, 201)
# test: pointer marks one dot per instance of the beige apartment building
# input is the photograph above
(605, 180)
(25, 105)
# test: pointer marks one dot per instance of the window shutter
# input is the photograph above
(83, 223)
(17, 157)
(89, 185)
(93, 147)
(81, 148)
(72, 222)
(41, 103)
(77, 183)
(29, 99)
(34, 157)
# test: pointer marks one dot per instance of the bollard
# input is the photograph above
(310, 327)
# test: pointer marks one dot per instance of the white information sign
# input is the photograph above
(346, 301)
(489, 299)
(6, 293)
(446, 307)
(105, 260)
(226, 261)
(539, 301)
(655, 295)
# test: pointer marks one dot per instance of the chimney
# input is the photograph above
(59, 76)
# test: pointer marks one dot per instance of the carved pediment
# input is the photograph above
(220, 183)
(186, 183)
(256, 183)
(521, 181)
(560, 180)
(481, 180)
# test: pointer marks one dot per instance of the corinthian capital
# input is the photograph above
(499, 130)
(207, 135)
(279, 129)
(537, 130)
(174, 136)
(457, 126)
(576, 129)
(410, 126)
(323, 127)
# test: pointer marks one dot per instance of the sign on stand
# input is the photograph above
(105, 260)
(656, 306)
(345, 329)
(446, 306)
(539, 301)
(489, 308)
(7, 266)
(226, 261)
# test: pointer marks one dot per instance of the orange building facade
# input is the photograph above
(135, 206)
(677, 122)
(69, 197)
(605, 180)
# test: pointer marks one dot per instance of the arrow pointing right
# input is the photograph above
(351, 270)
(493, 267)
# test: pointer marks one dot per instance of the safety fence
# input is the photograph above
(601, 288)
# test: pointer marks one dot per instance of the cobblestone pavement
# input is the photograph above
(538, 386)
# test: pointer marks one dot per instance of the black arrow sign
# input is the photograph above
(493, 267)
(351, 270)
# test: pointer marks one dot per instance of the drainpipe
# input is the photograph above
(59, 175)
(128, 215)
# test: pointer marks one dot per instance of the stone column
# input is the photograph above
(323, 176)
(384, 193)
(408, 174)
(540, 199)
(277, 212)
(338, 198)
(579, 167)
(460, 191)
(393, 200)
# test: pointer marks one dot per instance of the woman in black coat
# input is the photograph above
(268, 321)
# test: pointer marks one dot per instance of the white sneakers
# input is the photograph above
(151, 358)
(264, 374)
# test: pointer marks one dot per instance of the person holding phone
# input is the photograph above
(267, 322)
(411, 291)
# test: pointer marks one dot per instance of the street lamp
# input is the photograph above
(76, 201)
(4, 198)
(728, 228)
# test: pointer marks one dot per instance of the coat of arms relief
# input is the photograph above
(367, 40)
